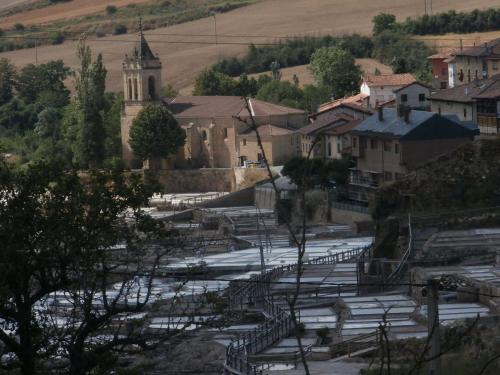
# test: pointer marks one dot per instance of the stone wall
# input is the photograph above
(209, 179)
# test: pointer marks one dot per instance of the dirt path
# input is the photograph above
(72, 9)
(270, 18)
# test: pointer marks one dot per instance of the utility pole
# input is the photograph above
(216, 36)
(433, 326)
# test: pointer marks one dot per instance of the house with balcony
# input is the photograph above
(394, 142)
(477, 102)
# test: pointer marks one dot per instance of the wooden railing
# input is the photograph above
(257, 289)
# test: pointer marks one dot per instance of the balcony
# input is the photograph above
(368, 179)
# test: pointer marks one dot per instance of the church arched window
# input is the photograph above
(129, 89)
(152, 87)
(204, 135)
(136, 89)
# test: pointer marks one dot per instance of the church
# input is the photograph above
(216, 134)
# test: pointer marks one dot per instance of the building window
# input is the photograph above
(260, 157)
(465, 113)
(404, 98)
(439, 109)
(421, 97)
(136, 89)
(388, 176)
(444, 85)
(339, 148)
(204, 135)
(225, 133)
(495, 65)
(396, 148)
(468, 75)
(244, 141)
(355, 142)
(130, 97)
(329, 149)
(387, 146)
(152, 87)
(373, 144)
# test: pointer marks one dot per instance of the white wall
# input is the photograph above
(412, 92)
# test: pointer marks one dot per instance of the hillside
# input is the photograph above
(184, 54)
(5, 4)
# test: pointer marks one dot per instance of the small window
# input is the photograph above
(396, 148)
(404, 98)
(444, 85)
(339, 148)
(355, 142)
(421, 97)
(204, 135)
(373, 144)
(495, 65)
(244, 142)
(225, 133)
(465, 113)
(329, 149)
(387, 146)
(388, 176)
(439, 110)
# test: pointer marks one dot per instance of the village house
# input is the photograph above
(393, 142)
(414, 95)
(474, 63)
(439, 64)
(477, 102)
(380, 88)
(217, 134)
(328, 137)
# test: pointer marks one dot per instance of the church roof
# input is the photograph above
(224, 106)
(141, 50)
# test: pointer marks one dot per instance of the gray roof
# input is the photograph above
(421, 125)
(466, 93)
(393, 124)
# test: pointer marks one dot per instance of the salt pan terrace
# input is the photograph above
(249, 259)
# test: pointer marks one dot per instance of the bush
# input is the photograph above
(120, 29)
(111, 9)
(19, 27)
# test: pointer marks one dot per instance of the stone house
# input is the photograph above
(414, 95)
(474, 63)
(215, 126)
(380, 88)
(477, 102)
(393, 142)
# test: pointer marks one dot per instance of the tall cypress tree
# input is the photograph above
(90, 81)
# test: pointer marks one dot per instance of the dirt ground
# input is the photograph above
(183, 59)
(72, 9)
(10, 3)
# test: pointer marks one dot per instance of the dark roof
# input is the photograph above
(223, 107)
(141, 50)
(341, 129)
(326, 121)
(421, 125)
(481, 50)
(411, 84)
(486, 88)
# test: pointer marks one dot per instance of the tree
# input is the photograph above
(281, 92)
(155, 133)
(382, 22)
(7, 77)
(212, 82)
(90, 82)
(49, 88)
(336, 69)
(65, 240)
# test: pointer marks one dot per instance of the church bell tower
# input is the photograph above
(141, 86)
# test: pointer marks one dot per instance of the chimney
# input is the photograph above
(401, 110)
(407, 112)
(380, 113)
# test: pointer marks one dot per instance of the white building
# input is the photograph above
(380, 88)
(415, 95)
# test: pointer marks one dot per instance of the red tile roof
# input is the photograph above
(268, 129)
(388, 79)
(355, 99)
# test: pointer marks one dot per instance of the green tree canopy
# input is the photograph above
(7, 79)
(155, 133)
(382, 22)
(336, 69)
(212, 82)
(281, 92)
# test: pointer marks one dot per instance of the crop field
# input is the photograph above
(186, 49)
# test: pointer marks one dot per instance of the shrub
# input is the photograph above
(120, 29)
(111, 9)
(19, 27)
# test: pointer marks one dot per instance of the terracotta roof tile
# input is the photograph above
(388, 79)
(356, 99)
